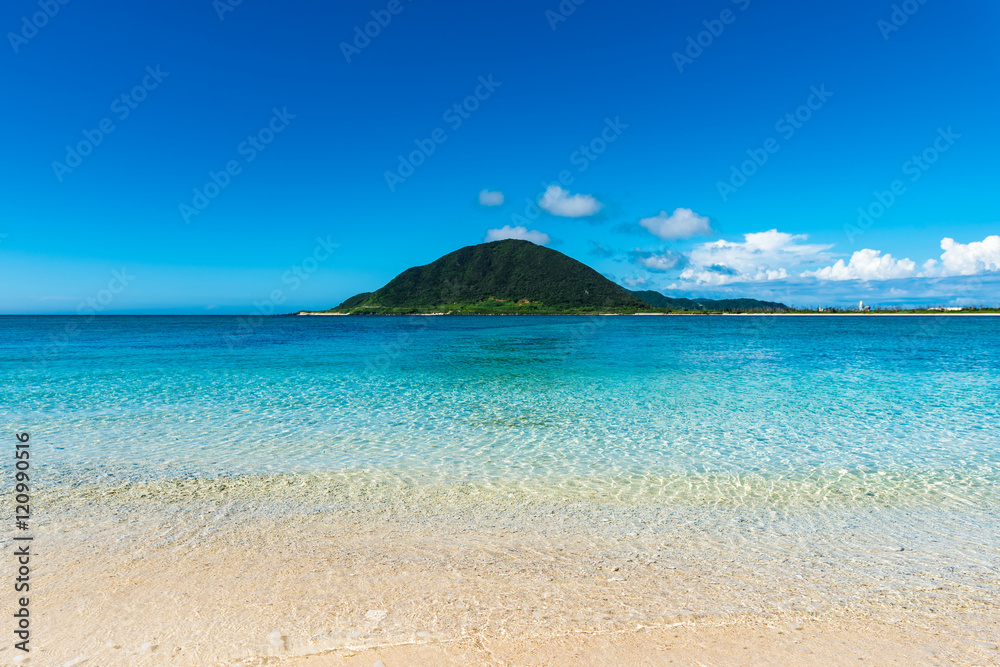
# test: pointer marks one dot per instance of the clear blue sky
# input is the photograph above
(555, 82)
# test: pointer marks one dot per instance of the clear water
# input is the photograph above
(753, 411)
(292, 474)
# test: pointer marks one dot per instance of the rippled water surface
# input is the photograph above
(629, 470)
(701, 409)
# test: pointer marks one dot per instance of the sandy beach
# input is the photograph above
(210, 574)
(771, 641)
(504, 491)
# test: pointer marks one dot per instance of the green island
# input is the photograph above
(514, 277)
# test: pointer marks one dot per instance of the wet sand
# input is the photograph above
(765, 642)
(227, 578)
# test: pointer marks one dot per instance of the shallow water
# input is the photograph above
(730, 410)
(500, 476)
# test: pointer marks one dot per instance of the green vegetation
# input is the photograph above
(658, 300)
(354, 301)
(520, 278)
(503, 277)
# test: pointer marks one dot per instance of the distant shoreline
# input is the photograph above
(688, 314)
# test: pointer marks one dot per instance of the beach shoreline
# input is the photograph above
(226, 577)
(497, 492)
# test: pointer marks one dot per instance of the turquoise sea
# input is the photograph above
(781, 411)
(339, 482)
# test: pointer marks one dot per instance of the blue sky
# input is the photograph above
(253, 161)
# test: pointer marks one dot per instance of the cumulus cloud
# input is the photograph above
(683, 223)
(965, 259)
(637, 281)
(522, 233)
(487, 198)
(958, 259)
(762, 256)
(655, 261)
(560, 202)
(867, 264)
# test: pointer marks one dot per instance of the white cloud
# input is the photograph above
(968, 259)
(662, 262)
(762, 256)
(560, 202)
(681, 224)
(637, 281)
(487, 198)
(867, 264)
(958, 259)
(522, 233)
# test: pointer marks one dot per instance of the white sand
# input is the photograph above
(233, 579)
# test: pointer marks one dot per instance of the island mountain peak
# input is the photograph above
(507, 277)
(498, 277)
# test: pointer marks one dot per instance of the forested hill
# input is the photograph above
(658, 300)
(502, 276)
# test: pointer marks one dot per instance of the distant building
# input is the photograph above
(862, 307)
